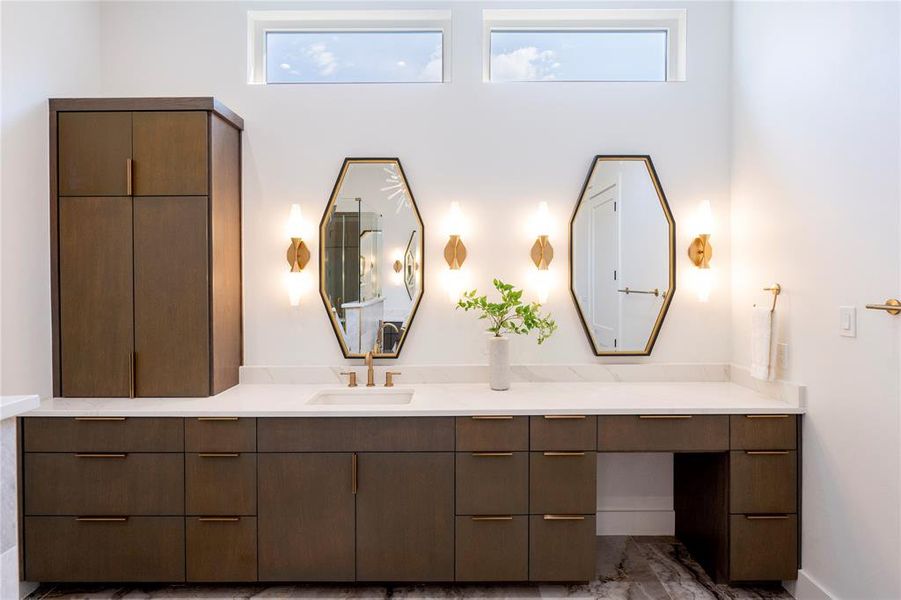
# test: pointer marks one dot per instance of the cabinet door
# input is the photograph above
(171, 153)
(405, 516)
(172, 296)
(95, 296)
(306, 517)
(93, 152)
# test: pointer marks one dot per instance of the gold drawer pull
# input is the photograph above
(665, 416)
(492, 454)
(563, 518)
(564, 454)
(101, 519)
(766, 517)
(353, 473)
(766, 416)
(505, 518)
(99, 455)
(217, 418)
(219, 519)
(563, 417)
(99, 418)
(219, 455)
(492, 418)
(766, 452)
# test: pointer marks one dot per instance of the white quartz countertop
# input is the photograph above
(463, 399)
(13, 406)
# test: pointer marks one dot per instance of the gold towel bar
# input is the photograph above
(654, 292)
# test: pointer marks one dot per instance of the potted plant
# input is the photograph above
(510, 315)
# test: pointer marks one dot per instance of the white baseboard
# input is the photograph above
(806, 588)
(636, 522)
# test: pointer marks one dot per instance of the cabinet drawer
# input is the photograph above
(562, 432)
(561, 547)
(220, 434)
(492, 548)
(66, 549)
(492, 483)
(221, 483)
(221, 548)
(350, 434)
(763, 548)
(663, 433)
(104, 434)
(763, 481)
(562, 482)
(763, 432)
(492, 433)
(104, 484)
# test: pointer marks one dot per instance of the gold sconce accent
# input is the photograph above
(455, 252)
(700, 251)
(398, 266)
(298, 255)
(542, 252)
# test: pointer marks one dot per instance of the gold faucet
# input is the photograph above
(370, 375)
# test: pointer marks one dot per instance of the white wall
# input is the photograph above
(497, 149)
(815, 201)
(48, 49)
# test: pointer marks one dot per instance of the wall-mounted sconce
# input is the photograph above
(700, 251)
(298, 255)
(542, 252)
(398, 266)
(455, 253)
(454, 250)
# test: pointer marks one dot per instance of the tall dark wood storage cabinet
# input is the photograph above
(145, 229)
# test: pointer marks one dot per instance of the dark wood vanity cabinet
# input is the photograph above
(471, 499)
(145, 246)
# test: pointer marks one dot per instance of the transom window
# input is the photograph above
(349, 46)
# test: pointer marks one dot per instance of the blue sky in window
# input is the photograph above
(360, 57)
(578, 55)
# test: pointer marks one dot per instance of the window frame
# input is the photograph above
(672, 21)
(261, 23)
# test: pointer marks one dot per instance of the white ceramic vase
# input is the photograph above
(499, 363)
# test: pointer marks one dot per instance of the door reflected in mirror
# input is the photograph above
(371, 220)
(622, 255)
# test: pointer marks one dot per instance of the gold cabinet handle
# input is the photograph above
(766, 452)
(491, 418)
(499, 518)
(891, 306)
(129, 166)
(101, 519)
(564, 518)
(563, 417)
(131, 374)
(219, 455)
(353, 474)
(564, 454)
(766, 416)
(99, 418)
(217, 418)
(664, 416)
(99, 455)
(492, 454)
(766, 517)
(219, 519)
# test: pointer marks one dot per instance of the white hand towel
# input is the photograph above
(761, 332)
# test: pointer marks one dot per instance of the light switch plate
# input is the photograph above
(847, 325)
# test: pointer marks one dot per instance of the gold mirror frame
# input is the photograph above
(671, 226)
(333, 198)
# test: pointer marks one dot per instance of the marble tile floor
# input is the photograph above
(629, 568)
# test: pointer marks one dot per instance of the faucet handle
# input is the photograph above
(389, 378)
(352, 381)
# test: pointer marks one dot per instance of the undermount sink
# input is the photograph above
(367, 397)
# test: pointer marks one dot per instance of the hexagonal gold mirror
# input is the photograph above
(622, 255)
(370, 257)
